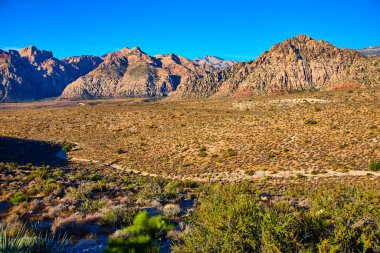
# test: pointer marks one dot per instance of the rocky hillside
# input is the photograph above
(214, 61)
(299, 63)
(133, 73)
(31, 74)
(370, 51)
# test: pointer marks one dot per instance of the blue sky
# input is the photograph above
(235, 29)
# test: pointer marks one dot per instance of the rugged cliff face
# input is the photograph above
(299, 63)
(31, 74)
(133, 73)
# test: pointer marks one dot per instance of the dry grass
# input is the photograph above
(209, 136)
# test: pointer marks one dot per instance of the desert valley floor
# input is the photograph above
(307, 133)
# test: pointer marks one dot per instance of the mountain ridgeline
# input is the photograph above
(299, 63)
(133, 73)
(32, 74)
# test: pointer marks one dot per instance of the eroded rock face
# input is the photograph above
(214, 61)
(133, 73)
(299, 63)
(31, 74)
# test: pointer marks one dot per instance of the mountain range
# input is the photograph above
(370, 51)
(299, 63)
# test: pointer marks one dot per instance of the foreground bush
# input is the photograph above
(232, 219)
(141, 236)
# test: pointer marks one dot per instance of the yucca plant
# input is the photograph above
(24, 242)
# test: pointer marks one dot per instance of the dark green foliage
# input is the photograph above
(143, 234)
(19, 198)
(374, 166)
(68, 147)
(202, 152)
(310, 122)
(231, 219)
(120, 151)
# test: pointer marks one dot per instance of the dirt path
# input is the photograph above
(235, 176)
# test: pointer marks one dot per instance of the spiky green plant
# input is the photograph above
(25, 241)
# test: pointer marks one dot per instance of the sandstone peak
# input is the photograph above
(303, 38)
(35, 74)
(35, 55)
(298, 63)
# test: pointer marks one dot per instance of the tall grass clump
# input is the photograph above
(28, 242)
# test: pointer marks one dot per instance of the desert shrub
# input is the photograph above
(250, 172)
(374, 166)
(202, 152)
(231, 152)
(74, 224)
(18, 198)
(141, 236)
(120, 151)
(171, 210)
(231, 219)
(90, 206)
(67, 146)
(170, 189)
(310, 122)
(118, 217)
(150, 190)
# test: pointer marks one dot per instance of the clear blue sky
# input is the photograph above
(234, 29)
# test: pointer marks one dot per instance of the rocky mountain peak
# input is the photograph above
(298, 63)
(34, 55)
(35, 74)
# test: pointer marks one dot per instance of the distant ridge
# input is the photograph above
(370, 51)
(214, 61)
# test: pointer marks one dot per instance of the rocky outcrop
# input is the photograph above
(133, 73)
(31, 74)
(214, 61)
(370, 51)
(299, 63)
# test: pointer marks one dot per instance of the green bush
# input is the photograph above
(120, 151)
(310, 122)
(143, 235)
(19, 198)
(374, 166)
(67, 147)
(170, 189)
